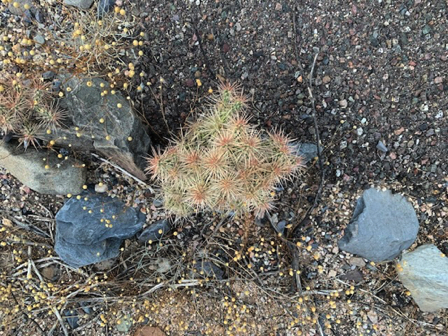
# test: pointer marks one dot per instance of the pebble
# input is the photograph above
(356, 261)
(326, 79)
(238, 26)
(359, 131)
(39, 39)
(100, 188)
(381, 146)
(343, 103)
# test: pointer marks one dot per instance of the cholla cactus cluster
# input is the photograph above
(222, 163)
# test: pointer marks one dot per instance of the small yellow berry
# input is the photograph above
(48, 131)
(89, 83)
(119, 105)
(140, 53)
(198, 82)
(122, 12)
(47, 167)
(101, 120)
(107, 137)
(69, 195)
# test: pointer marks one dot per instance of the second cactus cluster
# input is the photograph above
(222, 163)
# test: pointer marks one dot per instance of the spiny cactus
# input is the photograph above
(222, 163)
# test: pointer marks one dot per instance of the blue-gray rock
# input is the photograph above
(382, 226)
(104, 6)
(307, 151)
(382, 147)
(424, 272)
(91, 229)
(71, 316)
(152, 232)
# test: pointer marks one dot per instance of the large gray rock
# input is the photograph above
(83, 4)
(98, 124)
(29, 167)
(424, 272)
(83, 234)
(382, 226)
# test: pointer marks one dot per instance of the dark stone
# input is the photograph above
(382, 226)
(209, 269)
(307, 151)
(152, 231)
(354, 275)
(82, 237)
(72, 318)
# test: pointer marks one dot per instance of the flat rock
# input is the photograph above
(63, 176)
(382, 226)
(98, 124)
(91, 229)
(424, 272)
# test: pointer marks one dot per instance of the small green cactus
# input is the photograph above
(222, 163)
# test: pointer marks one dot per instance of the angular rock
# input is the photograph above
(83, 4)
(382, 226)
(63, 177)
(91, 229)
(308, 151)
(97, 123)
(424, 272)
(152, 232)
